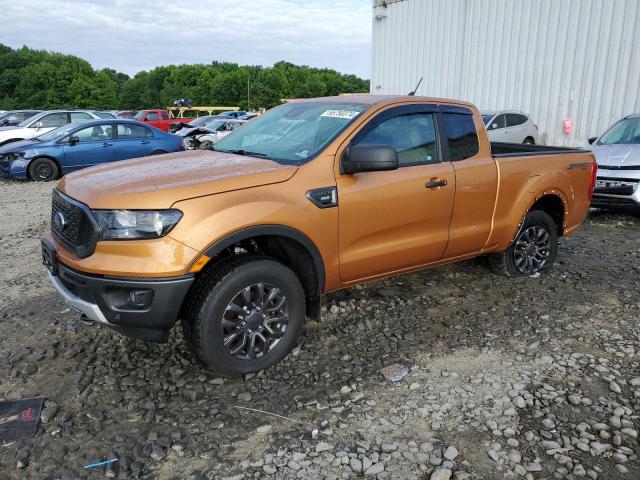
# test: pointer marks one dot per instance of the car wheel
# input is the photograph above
(245, 315)
(529, 141)
(43, 170)
(533, 250)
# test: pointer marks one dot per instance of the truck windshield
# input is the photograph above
(292, 133)
(139, 115)
(625, 132)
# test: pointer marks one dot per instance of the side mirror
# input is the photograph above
(494, 126)
(39, 125)
(592, 140)
(369, 158)
(73, 140)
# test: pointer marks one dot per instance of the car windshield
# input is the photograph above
(200, 121)
(292, 133)
(105, 114)
(139, 115)
(27, 122)
(58, 132)
(625, 132)
(214, 124)
(487, 118)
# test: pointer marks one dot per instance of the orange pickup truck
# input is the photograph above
(240, 242)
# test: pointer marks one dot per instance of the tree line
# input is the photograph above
(47, 80)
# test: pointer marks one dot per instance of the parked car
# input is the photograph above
(183, 128)
(83, 144)
(159, 118)
(206, 135)
(511, 127)
(241, 241)
(249, 116)
(183, 102)
(617, 152)
(12, 118)
(232, 114)
(43, 122)
(126, 114)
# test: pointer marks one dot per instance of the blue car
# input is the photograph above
(83, 144)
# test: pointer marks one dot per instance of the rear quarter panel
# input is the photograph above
(522, 180)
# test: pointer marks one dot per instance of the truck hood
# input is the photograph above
(617, 155)
(158, 181)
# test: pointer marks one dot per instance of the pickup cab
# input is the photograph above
(159, 118)
(241, 241)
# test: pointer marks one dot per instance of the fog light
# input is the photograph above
(140, 298)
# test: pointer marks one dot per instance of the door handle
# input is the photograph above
(144, 142)
(435, 183)
(107, 144)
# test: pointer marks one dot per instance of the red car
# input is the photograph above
(159, 118)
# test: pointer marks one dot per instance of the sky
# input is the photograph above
(135, 35)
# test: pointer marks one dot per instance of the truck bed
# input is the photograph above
(501, 150)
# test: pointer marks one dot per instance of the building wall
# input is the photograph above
(555, 59)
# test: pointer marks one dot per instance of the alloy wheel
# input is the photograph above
(254, 321)
(532, 250)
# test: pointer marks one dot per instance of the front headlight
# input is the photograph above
(136, 224)
(12, 156)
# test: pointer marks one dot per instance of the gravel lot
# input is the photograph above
(530, 378)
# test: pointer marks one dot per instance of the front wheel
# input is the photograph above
(43, 170)
(245, 315)
(533, 250)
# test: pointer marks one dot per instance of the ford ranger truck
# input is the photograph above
(240, 242)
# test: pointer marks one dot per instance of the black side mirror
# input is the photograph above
(369, 158)
(73, 140)
(592, 140)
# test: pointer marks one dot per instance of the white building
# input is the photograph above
(557, 60)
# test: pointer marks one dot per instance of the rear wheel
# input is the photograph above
(529, 141)
(43, 170)
(533, 250)
(245, 315)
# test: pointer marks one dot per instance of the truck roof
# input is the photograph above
(376, 99)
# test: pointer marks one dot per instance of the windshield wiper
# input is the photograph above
(245, 153)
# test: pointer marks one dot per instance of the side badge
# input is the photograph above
(326, 197)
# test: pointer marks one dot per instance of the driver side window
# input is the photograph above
(412, 135)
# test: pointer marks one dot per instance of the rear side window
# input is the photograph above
(133, 131)
(80, 116)
(54, 120)
(412, 135)
(152, 116)
(515, 119)
(165, 116)
(462, 137)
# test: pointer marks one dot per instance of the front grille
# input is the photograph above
(73, 225)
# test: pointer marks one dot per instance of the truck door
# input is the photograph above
(395, 220)
(476, 181)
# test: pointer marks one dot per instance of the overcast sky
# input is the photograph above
(134, 35)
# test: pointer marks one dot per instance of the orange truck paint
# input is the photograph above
(386, 222)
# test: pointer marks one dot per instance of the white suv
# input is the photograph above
(42, 123)
(510, 126)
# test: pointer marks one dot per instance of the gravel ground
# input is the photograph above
(529, 378)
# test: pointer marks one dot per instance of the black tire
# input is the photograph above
(509, 263)
(529, 141)
(43, 170)
(208, 304)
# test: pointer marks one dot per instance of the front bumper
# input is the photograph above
(14, 169)
(145, 309)
(617, 189)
